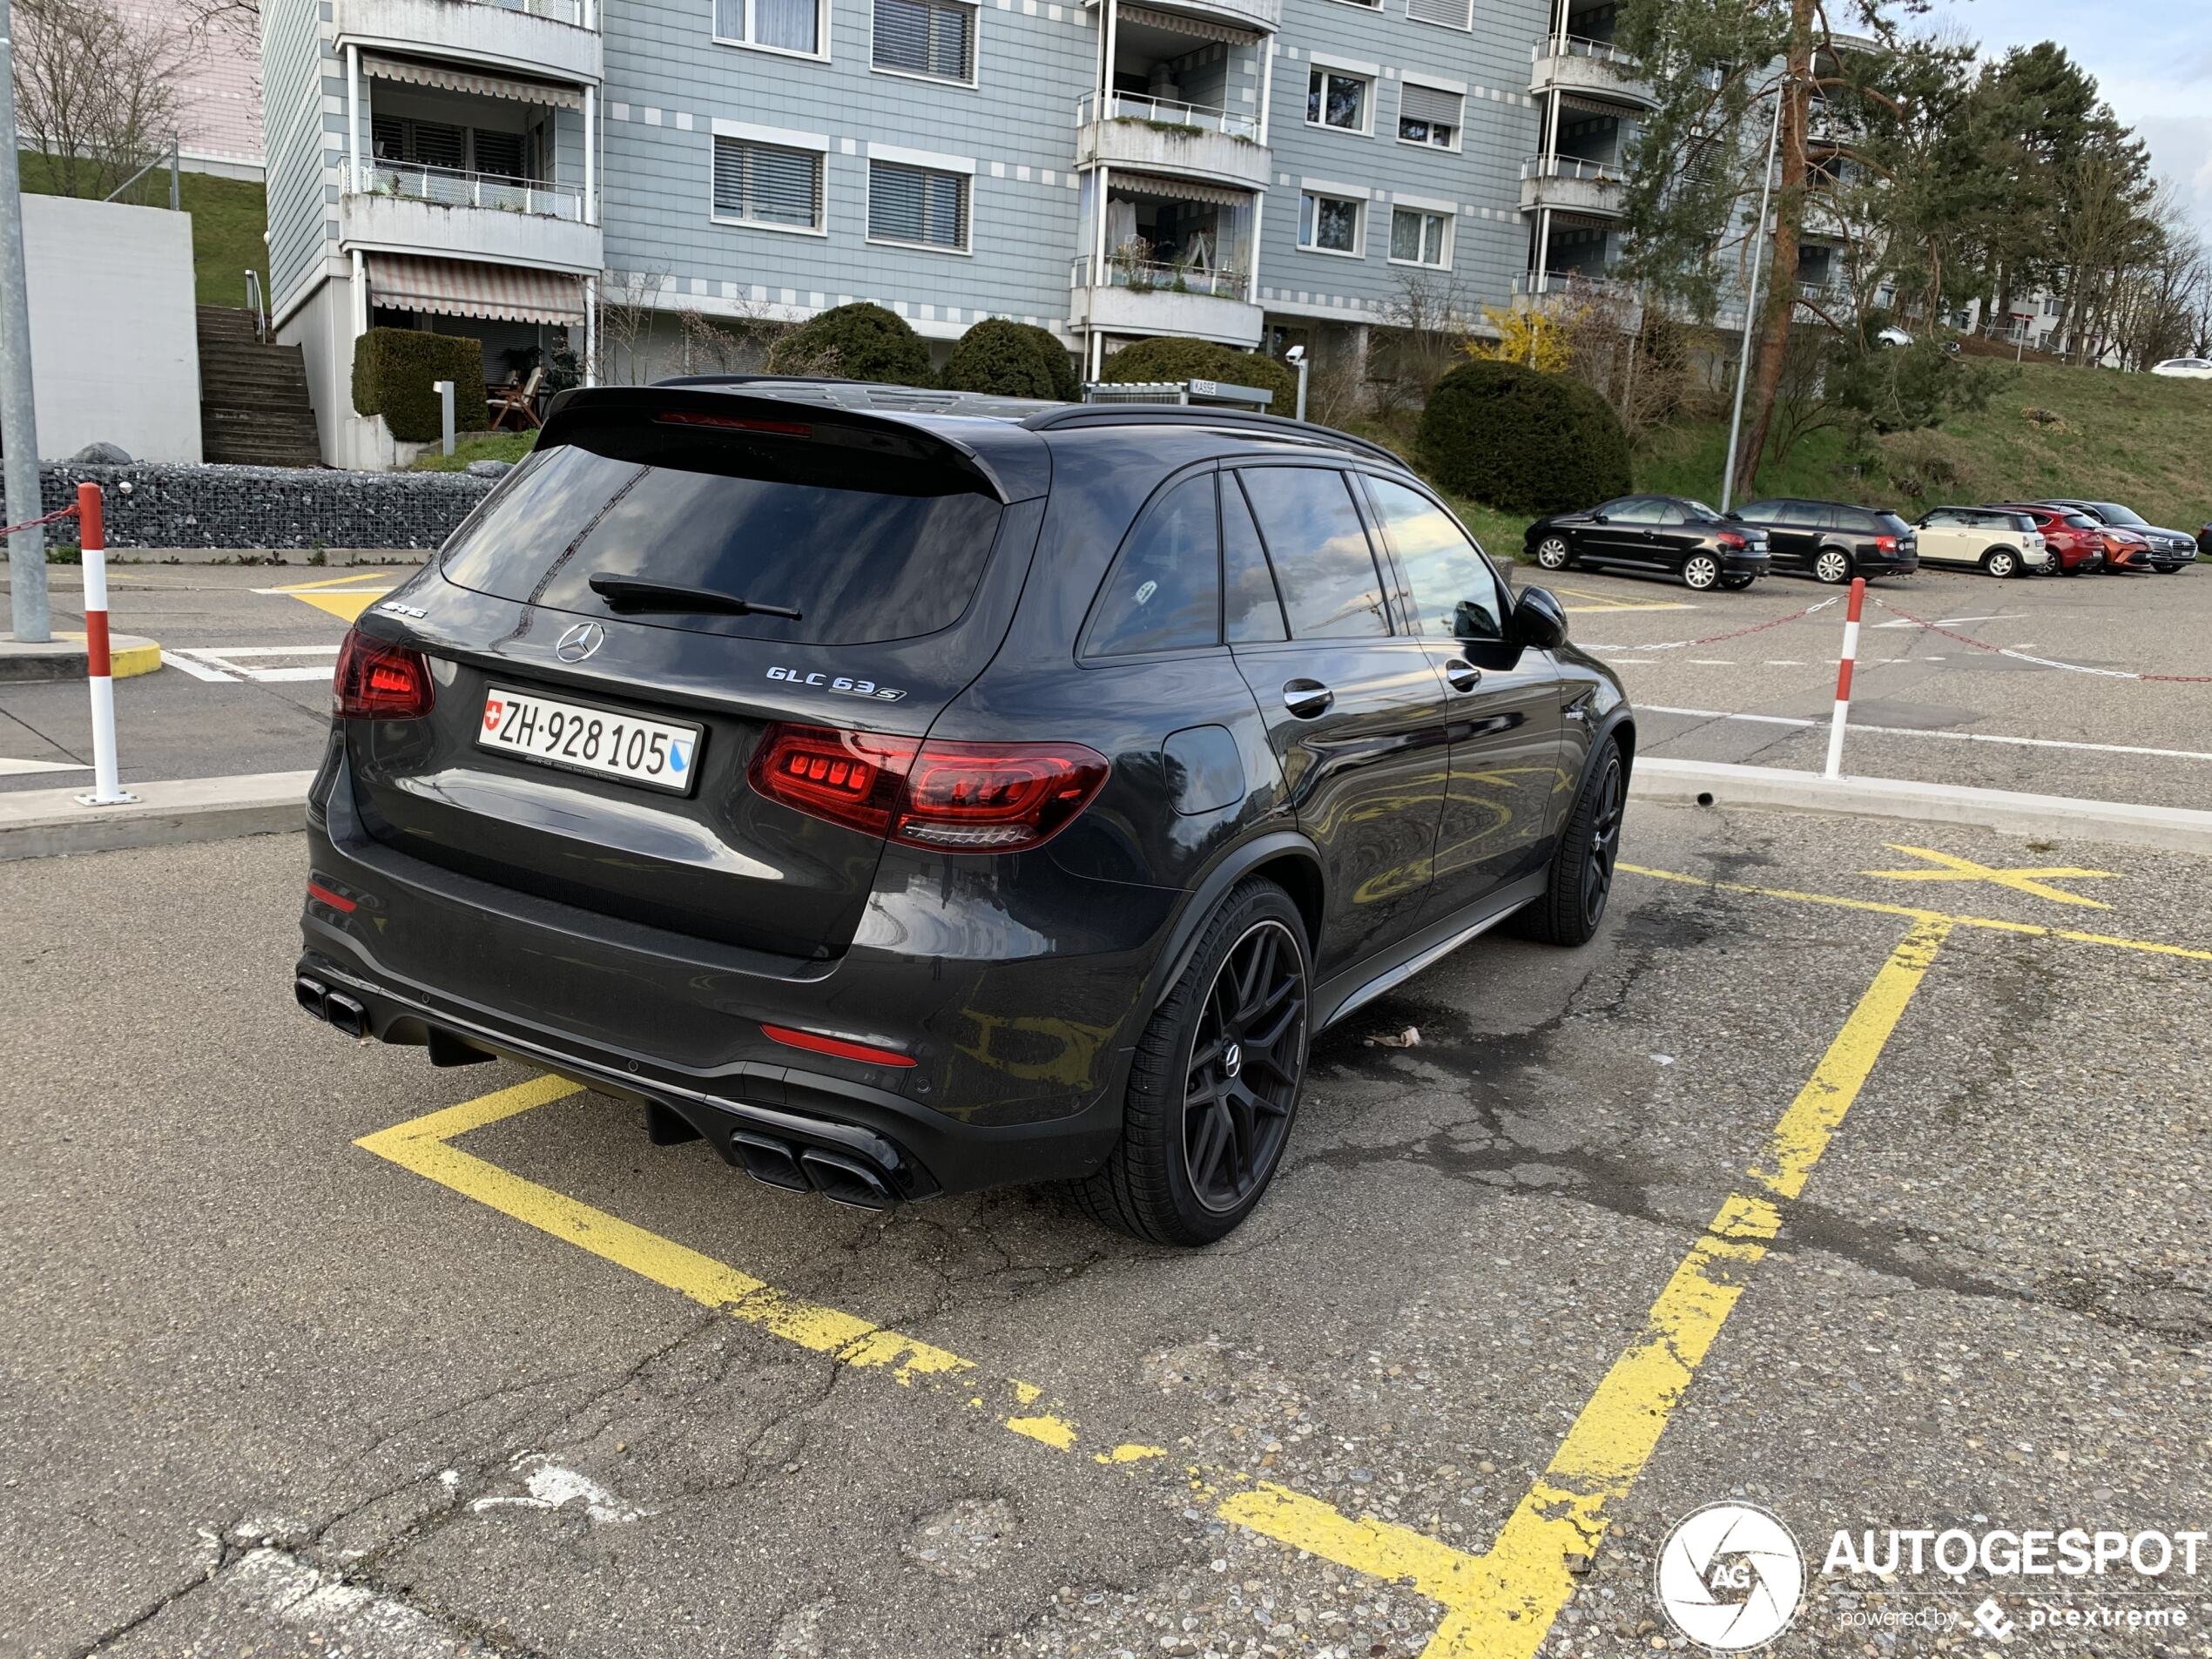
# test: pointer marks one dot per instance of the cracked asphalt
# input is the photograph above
(269, 1394)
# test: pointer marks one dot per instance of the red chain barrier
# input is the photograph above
(2041, 662)
(54, 517)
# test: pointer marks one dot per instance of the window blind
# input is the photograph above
(766, 183)
(934, 37)
(1430, 103)
(917, 205)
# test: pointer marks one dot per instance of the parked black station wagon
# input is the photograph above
(1832, 542)
(910, 799)
(1662, 535)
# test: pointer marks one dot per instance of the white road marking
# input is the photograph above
(1712, 662)
(1950, 736)
(1784, 662)
(192, 666)
(1958, 622)
(551, 1485)
(10, 767)
(227, 664)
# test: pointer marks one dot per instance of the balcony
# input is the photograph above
(1572, 185)
(1590, 68)
(546, 39)
(1154, 135)
(408, 207)
(1261, 16)
(1125, 296)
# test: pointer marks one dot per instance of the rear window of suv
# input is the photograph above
(867, 547)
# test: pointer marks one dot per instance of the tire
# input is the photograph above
(1170, 1180)
(2167, 569)
(1701, 572)
(1581, 869)
(2002, 562)
(1554, 554)
(1737, 583)
(1831, 567)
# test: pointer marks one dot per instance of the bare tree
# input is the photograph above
(628, 310)
(239, 18)
(1631, 351)
(95, 93)
(1430, 322)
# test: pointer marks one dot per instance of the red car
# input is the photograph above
(2077, 541)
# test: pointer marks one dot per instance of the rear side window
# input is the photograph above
(1324, 567)
(867, 547)
(1638, 510)
(1251, 610)
(1164, 593)
(1455, 592)
(1802, 514)
(1859, 524)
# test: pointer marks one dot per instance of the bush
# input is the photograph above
(998, 357)
(395, 369)
(1523, 441)
(1165, 358)
(867, 342)
(1067, 385)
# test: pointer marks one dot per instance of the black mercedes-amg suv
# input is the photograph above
(912, 793)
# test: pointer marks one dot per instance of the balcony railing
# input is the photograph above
(1150, 276)
(572, 11)
(1602, 51)
(1598, 172)
(457, 187)
(1168, 112)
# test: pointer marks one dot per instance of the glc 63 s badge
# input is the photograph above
(844, 685)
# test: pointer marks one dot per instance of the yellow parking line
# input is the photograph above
(2152, 946)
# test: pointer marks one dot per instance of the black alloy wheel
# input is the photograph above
(1241, 1086)
(1603, 841)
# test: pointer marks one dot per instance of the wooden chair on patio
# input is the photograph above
(518, 400)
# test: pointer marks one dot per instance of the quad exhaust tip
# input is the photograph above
(331, 1007)
(808, 1169)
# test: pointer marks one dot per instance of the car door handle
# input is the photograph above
(1461, 675)
(1308, 699)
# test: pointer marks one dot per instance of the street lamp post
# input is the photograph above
(1752, 299)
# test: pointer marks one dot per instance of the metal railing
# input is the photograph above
(1602, 51)
(457, 187)
(1600, 173)
(173, 158)
(1152, 276)
(257, 306)
(1169, 112)
(574, 12)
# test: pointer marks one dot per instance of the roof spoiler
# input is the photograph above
(706, 407)
(1064, 416)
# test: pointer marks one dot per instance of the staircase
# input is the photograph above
(254, 409)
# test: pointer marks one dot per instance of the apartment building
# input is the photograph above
(1257, 173)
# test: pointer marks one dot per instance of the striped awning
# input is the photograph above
(451, 79)
(1198, 28)
(463, 288)
(1164, 188)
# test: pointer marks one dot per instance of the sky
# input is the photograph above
(2152, 58)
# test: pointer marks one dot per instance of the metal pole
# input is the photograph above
(176, 173)
(444, 389)
(107, 785)
(1303, 366)
(34, 623)
(1751, 301)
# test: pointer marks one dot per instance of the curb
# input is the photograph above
(128, 654)
(42, 823)
(1702, 783)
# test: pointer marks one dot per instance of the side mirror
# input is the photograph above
(1600, 518)
(1538, 622)
(1734, 516)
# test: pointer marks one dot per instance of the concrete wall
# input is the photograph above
(114, 340)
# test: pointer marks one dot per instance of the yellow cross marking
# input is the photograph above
(1953, 868)
(344, 597)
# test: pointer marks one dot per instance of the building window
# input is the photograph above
(1329, 224)
(1336, 99)
(773, 25)
(1448, 14)
(1428, 115)
(917, 205)
(934, 38)
(765, 184)
(1418, 237)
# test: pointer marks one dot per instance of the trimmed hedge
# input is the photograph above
(394, 370)
(1067, 385)
(999, 357)
(1163, 358)
(1523, 441)
(868, 343)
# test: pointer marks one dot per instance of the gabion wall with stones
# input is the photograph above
(150, 505)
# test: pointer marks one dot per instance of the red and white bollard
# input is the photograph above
(107, 787)
(1843, 677)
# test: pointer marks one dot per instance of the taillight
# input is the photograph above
(1729, 538)
(377, 680)
(1886, 544)
(956, 797)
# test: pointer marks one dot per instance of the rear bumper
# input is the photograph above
(1019, 1068)
(1887, 563)
(1746, 564)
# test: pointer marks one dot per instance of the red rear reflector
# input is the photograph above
(735, 423)
(321, 895)
(956, 796)
(837, 1046)
(377, 680)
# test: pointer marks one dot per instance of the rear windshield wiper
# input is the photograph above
(628, 594)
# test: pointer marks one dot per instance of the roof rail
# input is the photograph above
(1078, 414)
(861, 394)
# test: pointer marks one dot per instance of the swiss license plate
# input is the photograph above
(660, 754)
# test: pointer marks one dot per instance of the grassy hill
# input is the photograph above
(228, 218)
(2090, 433)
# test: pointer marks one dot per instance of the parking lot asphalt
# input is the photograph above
(1875, 1201)
(1926, 705)
(245, 687)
